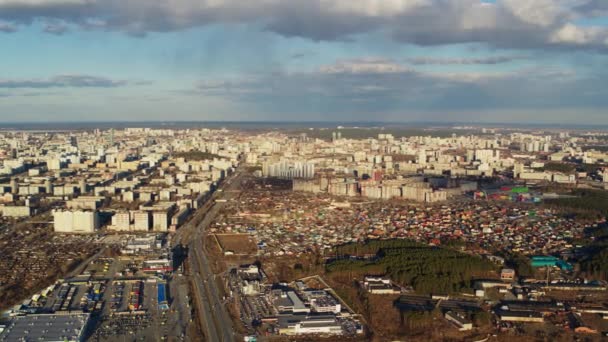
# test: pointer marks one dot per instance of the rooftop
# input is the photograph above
(46, 327)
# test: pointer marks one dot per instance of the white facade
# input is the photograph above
(75, 221)
(160, 221)
(141, 221)
(121, 221)
(289, 170)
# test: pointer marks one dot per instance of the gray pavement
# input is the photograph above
(215, 321)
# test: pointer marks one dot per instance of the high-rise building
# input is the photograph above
(77, 221)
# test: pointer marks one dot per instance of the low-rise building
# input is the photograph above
(459, 320)
(289, 302)
(377, 285)
(309, 324)
(507, 274)
(57, 327)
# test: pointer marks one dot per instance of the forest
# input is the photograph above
(428, 269)
(559, 167)
(591, 204)
(596, 264)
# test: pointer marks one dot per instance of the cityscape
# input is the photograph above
(303, 170)
(332, 233)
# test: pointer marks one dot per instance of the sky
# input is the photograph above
(508, 61)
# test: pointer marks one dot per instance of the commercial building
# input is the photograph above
(289, 302)
(57, 327)
(309, 324)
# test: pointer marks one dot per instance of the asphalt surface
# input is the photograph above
(213, 317)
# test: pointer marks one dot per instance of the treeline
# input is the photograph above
(599, 148)
(521, 264)
(373, 246)
(589, 168)
(196, 155)
(589, 203)
(559, 167)
(596, 264)
(427, 269)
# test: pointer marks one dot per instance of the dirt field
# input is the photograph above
(238, 244)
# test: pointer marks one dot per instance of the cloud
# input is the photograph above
(463, 61)
(7, 28)
(55, 28)
(19, 93)
(63, 81)
(234, 86)
(374, 85)
(363, 66)
(593, 8)
(572, 34)
(504, 23)
(300, 55)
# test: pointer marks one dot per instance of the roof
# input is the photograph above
(46, 327)
(308, 320)
(519, 314)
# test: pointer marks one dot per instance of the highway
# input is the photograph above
(213, 317)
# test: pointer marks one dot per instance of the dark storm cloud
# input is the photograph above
(593, 8)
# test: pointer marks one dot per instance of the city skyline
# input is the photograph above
(507, 61)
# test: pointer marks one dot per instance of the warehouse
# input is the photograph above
(46, 327)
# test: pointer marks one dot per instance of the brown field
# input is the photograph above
(238, 243)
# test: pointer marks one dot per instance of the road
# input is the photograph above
(213, 317)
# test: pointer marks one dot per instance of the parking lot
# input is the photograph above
(133, 313)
